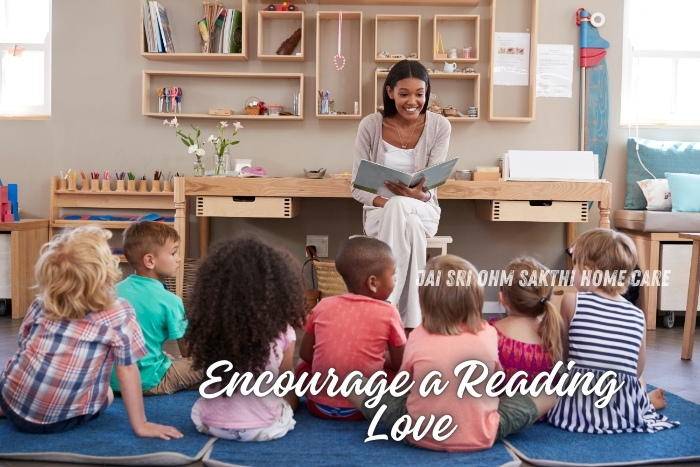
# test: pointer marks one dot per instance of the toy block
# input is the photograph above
(15, 210)
(3, 194)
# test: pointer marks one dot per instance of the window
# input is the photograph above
(25, 58)
(661, 63)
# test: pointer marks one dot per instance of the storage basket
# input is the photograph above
(330, 282)
(190, 273)
(251, 106)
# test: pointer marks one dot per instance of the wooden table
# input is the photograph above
(691, 305)
(598, 191)
(27, 238)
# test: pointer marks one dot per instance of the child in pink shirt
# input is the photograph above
(352, 331)
(453, 332)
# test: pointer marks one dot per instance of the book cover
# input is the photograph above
(371, 176)
(157, 39)
(226, 34)
(147, 25)
(164, 26)
(237, 32)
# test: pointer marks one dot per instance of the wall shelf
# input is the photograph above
(203, 90)
(450, 89)
(457, 31)
(401, 2)
(394, 33)
(344, 86)
(186, 36)
(274, 27)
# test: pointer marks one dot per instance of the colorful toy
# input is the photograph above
(286, 6)
(9, 209)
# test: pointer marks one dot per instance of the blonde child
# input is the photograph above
(601, 332)
(453, 332)
(353, 331)
(151, 248)
(73, 332)
(246, 301)
(529, 337)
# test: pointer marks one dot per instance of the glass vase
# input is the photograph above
(221, 164)
(198, 168)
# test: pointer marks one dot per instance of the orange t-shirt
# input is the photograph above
(476, 418)
(351, 333)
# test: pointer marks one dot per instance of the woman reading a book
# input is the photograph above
(405, 137)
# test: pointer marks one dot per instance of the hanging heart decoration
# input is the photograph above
(339, 60)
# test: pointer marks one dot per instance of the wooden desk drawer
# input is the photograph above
(247, 206)
(533, 211)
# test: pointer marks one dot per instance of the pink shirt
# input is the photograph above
(352, 333)
(476, 418)
(240, 412)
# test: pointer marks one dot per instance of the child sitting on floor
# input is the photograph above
(152, 250)
(452, 333)
(603, 332)
(529, 338)
(351, 332)
(73, 332)
(247, 299)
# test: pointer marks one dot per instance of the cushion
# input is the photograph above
(657, 221)
(685, 191)
(657, 194)
(658, 157)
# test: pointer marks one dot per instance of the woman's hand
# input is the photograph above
(416, 192)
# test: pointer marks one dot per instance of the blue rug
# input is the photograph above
(109, 439)
(315, 442)
(546, 445)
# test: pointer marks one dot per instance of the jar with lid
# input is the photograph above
(466, 52)
(463, 175)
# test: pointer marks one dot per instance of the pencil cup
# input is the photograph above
(85, 184)
(62, 184)
(106, 185)
(72, 184)
(94, 185)
(131, 185)
(120, 185)
(155, 186)
(167, 185)
(143, 185)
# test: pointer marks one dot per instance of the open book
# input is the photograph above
(371, 176)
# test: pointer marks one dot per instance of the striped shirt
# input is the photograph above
(606, 335)
(62, 367)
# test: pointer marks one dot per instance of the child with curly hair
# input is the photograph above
(73, 332)
(603, 332)
(529, 338)
(246, 300)
(353, 331)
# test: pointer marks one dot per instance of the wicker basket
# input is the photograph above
(330, 282)
(252, 110)
(190, 272)
(251, 106)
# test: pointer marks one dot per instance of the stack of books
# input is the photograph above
(157, 27)
(227, 32)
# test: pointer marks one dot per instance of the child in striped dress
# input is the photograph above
(604, 332)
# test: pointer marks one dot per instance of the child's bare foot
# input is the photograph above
(657, 399)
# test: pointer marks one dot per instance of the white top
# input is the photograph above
(399, 159)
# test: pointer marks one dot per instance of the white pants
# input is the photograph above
(278, 429)
(404, 223)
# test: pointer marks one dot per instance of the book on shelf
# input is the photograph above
(164, 28)
(236, 32)
(147, 26)
(158, 43)
(217, 39)
(371, 176)
(226, 33)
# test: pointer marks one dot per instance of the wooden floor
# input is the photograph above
(664, 367)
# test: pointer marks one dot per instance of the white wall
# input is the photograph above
(97, 125)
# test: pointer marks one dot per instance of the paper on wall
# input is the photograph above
(555, 65)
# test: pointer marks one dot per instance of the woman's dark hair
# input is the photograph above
(245, 294)
(402, 70)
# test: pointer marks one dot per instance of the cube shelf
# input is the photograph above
(394, 34)
(274, 27)
(457, 31)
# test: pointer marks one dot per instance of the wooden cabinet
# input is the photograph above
(26, 239)
(274, 27)
(460, 90)
(343, 85)
(204, 90)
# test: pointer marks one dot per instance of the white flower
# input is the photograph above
(200, 152)
(224, 124)
(237, 125)
(192, 149)
(211, 138)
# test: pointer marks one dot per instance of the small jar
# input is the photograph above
(500, 165)
(452, 53)
(463, 175)
(466, 52)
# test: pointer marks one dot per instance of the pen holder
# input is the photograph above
(167, 185)
(72, 184)
(155, 186)
(131, 185)
(85, 184)
(94, 185)
(106, 185)
(62, 184)
(143, 185)
(120, 185)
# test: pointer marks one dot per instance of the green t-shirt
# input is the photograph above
(161, 316)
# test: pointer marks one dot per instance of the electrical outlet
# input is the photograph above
(320, 242)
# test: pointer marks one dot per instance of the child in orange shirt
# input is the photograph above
(452, 333)
(352, 331)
